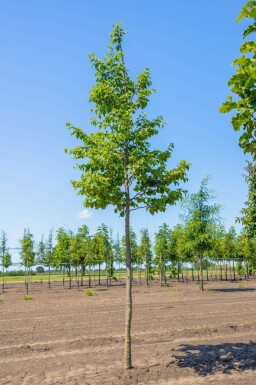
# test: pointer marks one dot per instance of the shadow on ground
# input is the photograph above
(210, 359)
(233, 289)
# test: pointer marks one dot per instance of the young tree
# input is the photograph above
(243, 86)
(162, 249)
(27, 249)
(117, 253)
(230, 247)
(145, 252)
(200, 219)
(5, 256)
(135, 258)
(118, 167)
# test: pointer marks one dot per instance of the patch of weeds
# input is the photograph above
(206, 327)
(28, 297)
(1, 300)
(251, 322)
(89, 292)
(241, 286)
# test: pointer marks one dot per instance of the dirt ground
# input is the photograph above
(180, 336)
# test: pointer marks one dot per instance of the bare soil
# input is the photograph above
(180, 336)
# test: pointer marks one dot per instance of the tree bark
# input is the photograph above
(128, 313)
(201, 273)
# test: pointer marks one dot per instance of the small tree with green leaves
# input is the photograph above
(117, 164)
(200, 219)
(162, 249)
(27, 249)
(145, 252)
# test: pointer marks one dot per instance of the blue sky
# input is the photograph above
(45, 79)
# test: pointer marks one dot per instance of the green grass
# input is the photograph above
(89, 292)
(28, 297)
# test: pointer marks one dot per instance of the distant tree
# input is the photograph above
(61, 254)
(200, 219)
(103, 250)
(5, 256)
(162, 249)
(230, 247)
(243, 85)
(120, 168)
(117, 250)
(40, 251)
(40, 269)
(135, 257)
(7, 259)
(27, 249)
(145, 252)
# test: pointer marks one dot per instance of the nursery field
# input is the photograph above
(180, 336)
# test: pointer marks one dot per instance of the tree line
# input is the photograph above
(200, 242)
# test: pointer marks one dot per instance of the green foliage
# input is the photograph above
(136, 257)
(248, 218)
(89, 292)
(239, 268)
(200, 219)
(40, 269)
(5, 256)
(27, 249)
(118, 154)
(242, 85)
(162, 247)
(27, 297)
(145, 253)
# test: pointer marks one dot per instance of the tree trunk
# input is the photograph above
(128, 313)
(160, 271)
(201, 273)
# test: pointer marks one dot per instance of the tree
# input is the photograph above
(135, 258)
(162, 249)
(200, 219)
(243, 86)
(27, 249)
(117, 165)
(145, 252)
(230, 247)
(248, 218)
(5, 256)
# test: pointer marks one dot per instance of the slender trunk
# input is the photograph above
(89, 278)
(234, 270)
(49, 277)
(99, 274)
(160, 270)
(193, 278)
(128, 315)
(201, 273)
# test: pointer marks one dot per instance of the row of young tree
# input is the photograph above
(200, 242)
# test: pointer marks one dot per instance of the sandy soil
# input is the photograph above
(180, 336)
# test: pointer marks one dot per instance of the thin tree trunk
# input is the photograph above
(201, 273)
(234, 270)
(160, 271)
(128, 315)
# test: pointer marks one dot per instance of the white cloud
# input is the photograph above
(85, 214)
